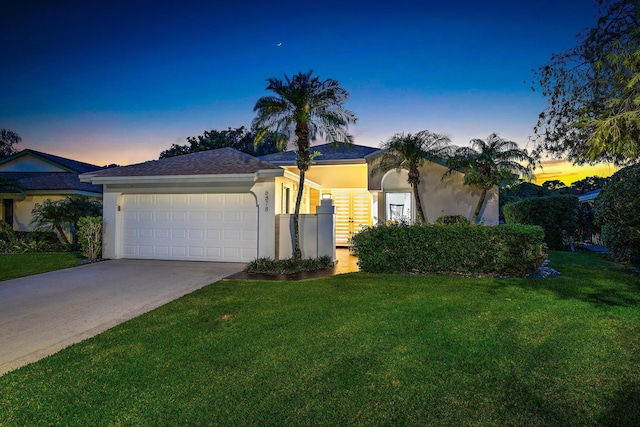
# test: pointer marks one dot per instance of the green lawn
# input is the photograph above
(358, 349)
(13, 266)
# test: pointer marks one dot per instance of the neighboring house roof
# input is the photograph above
(589, 197)
(50, 181)
(329, 153)
(68, 164)
(223, 161)
(65, 182)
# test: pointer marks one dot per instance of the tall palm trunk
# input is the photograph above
(63, 237)
(483, 196)
(414, 181)
(297, 252)
(303, 160)
(416, 196)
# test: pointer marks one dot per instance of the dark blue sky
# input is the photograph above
(120, 81)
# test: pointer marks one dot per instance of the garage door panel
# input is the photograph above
(144, 233)
(213, 253)
(214, 227)
(178, 251)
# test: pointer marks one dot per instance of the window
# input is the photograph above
(7, 209)
(286, 199)
(398, 206)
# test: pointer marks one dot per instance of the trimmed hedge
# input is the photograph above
(464, 249)
(452, 220)
(557, 215)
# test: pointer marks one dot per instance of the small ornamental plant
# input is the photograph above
(90, 237)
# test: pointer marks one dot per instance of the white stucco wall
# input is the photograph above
(317, 233)
(263, 191)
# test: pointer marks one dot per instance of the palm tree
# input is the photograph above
(302, 109)
(489, 163)
(61, 215)
(51, 216)
(409, 152)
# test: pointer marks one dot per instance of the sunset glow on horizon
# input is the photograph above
(120, 82)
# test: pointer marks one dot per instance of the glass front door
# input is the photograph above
(398, 206)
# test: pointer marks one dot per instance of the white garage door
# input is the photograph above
(194, 227)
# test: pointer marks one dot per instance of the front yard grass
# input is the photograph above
(358, 349)
(13, 266)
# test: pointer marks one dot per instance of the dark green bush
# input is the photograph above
(29, 241)
(470, 249)
(557, 215)
(38, 236)
(452, 220)
(289, 265)
(618, 212)
(8, 237)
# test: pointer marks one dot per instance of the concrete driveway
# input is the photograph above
(42, 314)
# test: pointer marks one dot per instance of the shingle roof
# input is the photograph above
(71, 165)
(33, 181)
(223, 161)
(328, 153)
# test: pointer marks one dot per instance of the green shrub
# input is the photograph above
(90, 236)
(8, 237)
(452, 220)
(424, 248)
(557, 215)
(29, 241)
(289, 265)
(618, 212)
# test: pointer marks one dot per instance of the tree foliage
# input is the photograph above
(617, 211)
(589, 184)
(494, 162)
(593, 91)
(555, 185)
(240, 138)
(302, 108)
(63, 215)
(8, 139)
(409, 152)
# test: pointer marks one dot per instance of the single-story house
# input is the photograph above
(361, 199)
(29, 177)
(224, 205)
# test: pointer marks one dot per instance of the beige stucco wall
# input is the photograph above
(336, 176)
(442, 197)
(22, 210)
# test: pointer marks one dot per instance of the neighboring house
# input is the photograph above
(35, 177)
(224, 205)
(589, 197)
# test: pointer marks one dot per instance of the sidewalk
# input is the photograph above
(347, 263)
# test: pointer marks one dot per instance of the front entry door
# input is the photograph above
(353, 212)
